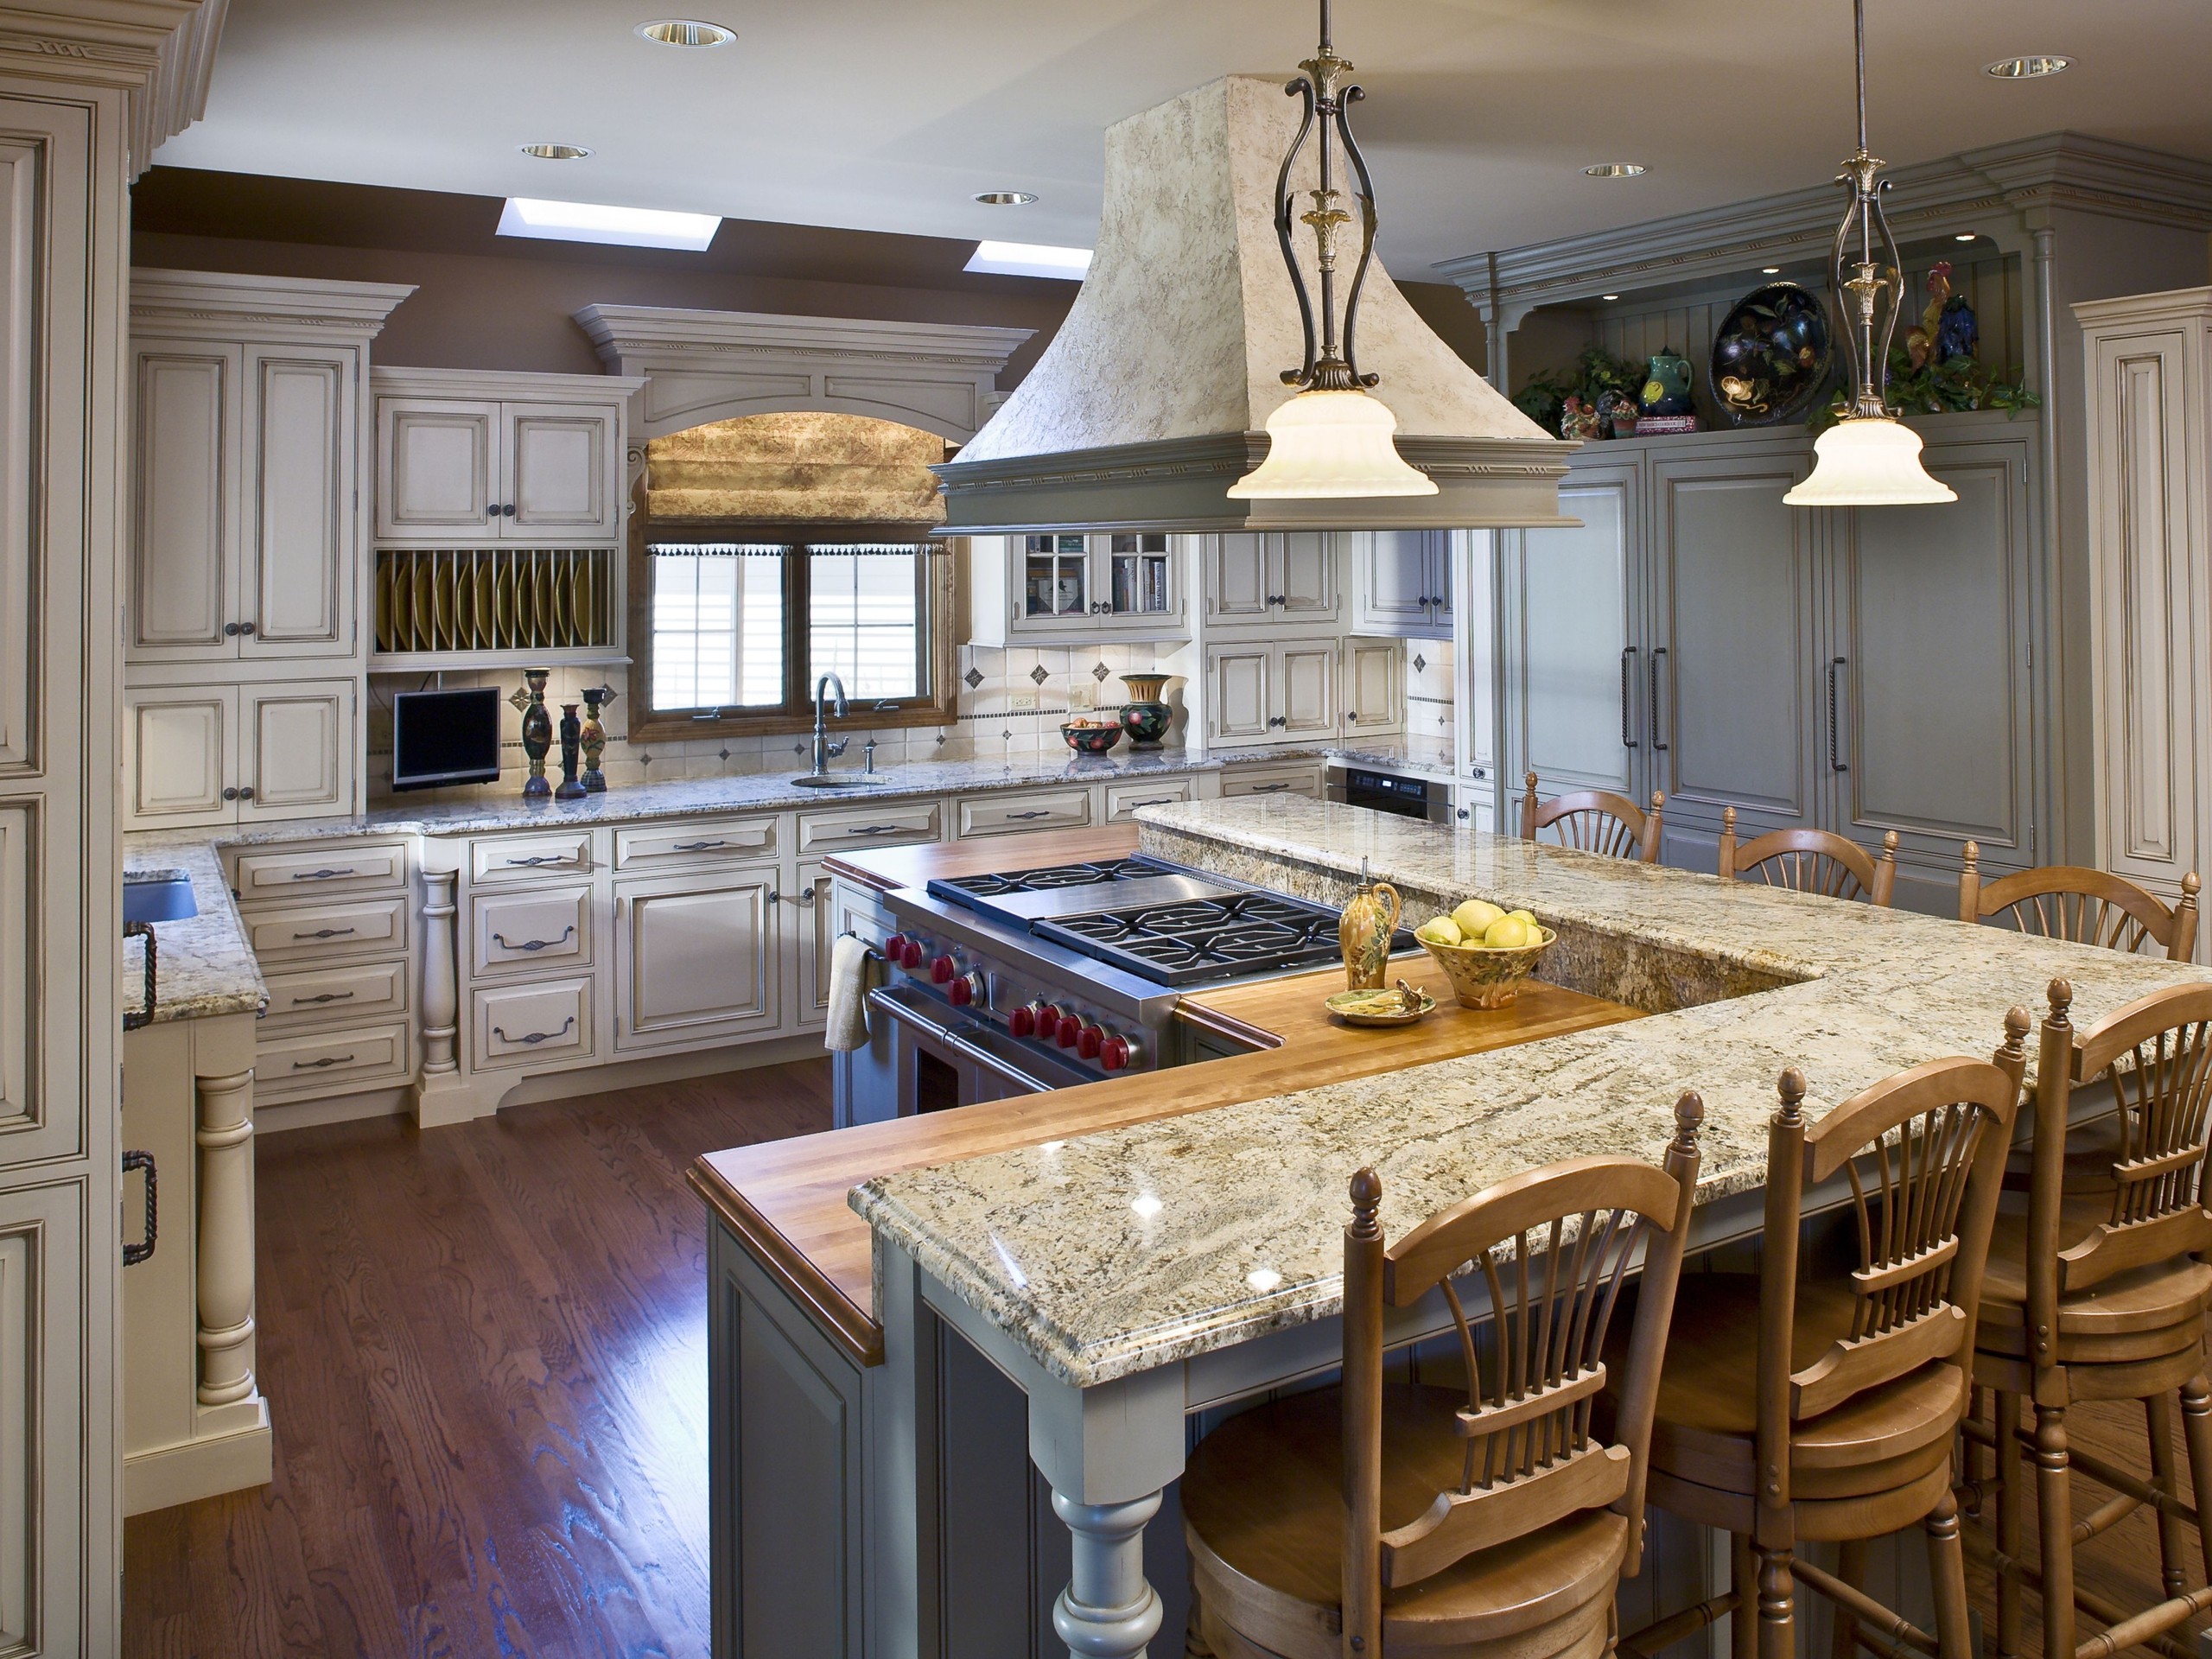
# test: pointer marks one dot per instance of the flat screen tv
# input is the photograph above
(440, 738)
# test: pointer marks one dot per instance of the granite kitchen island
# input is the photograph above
(1106, 1288)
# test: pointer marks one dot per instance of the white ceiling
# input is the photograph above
(1479, 118)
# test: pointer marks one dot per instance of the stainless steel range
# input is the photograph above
(1026, 980)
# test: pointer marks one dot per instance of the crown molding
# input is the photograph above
(625, 332)
(483, 385)
(161, 53)
(2193, 302)
(214, 301)
(2013, 180)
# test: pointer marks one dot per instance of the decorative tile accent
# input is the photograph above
(973, 678)
(1099, 672)
(1420, 664)
(722, 753)
(1038, 676)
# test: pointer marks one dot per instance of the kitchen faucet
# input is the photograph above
(824, 750)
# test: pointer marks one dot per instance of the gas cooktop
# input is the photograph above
(1156, 920)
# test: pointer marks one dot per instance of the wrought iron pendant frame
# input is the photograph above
(1334, 366)
(1870, 289)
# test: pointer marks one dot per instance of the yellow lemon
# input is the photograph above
(1506, 933)
(1475, 917)
(1442, 929)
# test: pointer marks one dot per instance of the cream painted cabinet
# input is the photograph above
(1279, 691)
(464, 460)
(1272, 576)
(1375, 688)
(184, 549)
(814, 931)
(297, 580)
(1403, 582)
(1239, 694)
(260, 752)
(697, 956)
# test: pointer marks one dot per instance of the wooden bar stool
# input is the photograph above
(2097, 1295)
(1810, 860)
(1361, 1521)
(1824, 1406)
(2071, 901)
(1596, 821)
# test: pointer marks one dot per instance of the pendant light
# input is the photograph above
(1332, 439)
(1868, 458)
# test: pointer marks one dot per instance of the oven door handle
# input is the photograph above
(889, 1001)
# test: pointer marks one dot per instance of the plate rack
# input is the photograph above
(447, 605)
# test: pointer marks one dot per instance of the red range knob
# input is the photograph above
(1070, 1030)
(1114, 1053)
(943, 969)
(1089, 1039)
(894, 948)
(909, 954)
(966, 990)
(1022, 1021)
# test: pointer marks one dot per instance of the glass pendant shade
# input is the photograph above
(1332, 444)
(1868, 461)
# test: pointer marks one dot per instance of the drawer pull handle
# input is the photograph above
(505, 944)
(1271, 789)
(326, 996)
(538, 860)
(875, 829)
(317, 1065)
(696, 846)
(1157, 800)
(325, 933)
(1024, 817)
(531, 1039)
(320, 875)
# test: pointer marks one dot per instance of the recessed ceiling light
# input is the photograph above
(1966, 236)
(2031, 67)
(1608, 296)
(1029, 260)
(1004, 198)
(589, 221)
(556, 152)
(681, 31)
(1615, 170)
(1769, 270)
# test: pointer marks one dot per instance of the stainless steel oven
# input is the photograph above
(941, 1058)
(1406, 794)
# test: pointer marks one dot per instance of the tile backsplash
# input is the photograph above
(1431, 682)
(989, 726)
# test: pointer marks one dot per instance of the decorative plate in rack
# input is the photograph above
(1774, 356)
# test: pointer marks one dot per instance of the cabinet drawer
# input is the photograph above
(529, 858)
(1273, 780)
(523, 1025)
(512, 930)
(352, 868)
(876, 826)
(711, 841)
(330, 1062)
(1006, 815)
(321, 996)
(361, 927)
(1123, 799)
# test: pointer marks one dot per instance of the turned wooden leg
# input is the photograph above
(2011, 1496)
(1108, 1610)
(225, 1139)
(1851, 1568)
(2158, 1423)
(2197, 1430)
(441, 986)
(1946, 1573)
(1974, 1457)
(1777, 1605)
(1744, 1580)
(2055, 1514)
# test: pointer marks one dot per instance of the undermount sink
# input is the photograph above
(158, 896)
(835, 780)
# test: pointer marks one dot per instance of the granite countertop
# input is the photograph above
(1119, 1251)
(208, 967)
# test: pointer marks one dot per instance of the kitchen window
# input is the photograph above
(733, 630)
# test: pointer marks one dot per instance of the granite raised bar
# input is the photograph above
(1108, 1255)
(206, 967)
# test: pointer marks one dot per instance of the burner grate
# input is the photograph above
(999, 885)
(1185, 944)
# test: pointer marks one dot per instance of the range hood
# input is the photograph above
(1152, 399)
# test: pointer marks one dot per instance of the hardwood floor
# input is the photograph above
(485, 1353)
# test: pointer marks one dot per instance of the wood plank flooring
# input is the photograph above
(485, 1353)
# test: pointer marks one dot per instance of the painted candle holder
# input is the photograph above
(594, 736)
(536, 728)
(1146, 714)
(571, 745)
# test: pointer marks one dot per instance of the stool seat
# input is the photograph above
(1264, 1513)
(2155, 1309)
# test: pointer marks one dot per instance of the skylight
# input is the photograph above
(1029, 260)
(587, 222)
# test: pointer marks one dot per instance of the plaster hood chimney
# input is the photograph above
(1152, 399)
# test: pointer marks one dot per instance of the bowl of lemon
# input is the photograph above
(1486, 949)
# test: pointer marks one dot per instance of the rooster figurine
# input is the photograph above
(1946, 328)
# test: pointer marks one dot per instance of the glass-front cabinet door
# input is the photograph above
(1069, 585)
(1056, 577)
(1140, 576)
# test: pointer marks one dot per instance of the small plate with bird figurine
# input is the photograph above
(1398, 1005)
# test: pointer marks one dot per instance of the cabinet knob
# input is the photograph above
(509, 510)
(245, 627)
(245, 793)
(231, 630)
(1278, 720)
(229, 794)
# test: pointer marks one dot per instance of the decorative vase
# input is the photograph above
(572, 732)
(594, 737)
(1363, 933)
(1146, 714)
(1667, 385)
(536, 728)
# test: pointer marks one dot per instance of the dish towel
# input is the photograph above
(852, 969)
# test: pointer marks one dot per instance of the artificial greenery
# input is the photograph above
(1544, 396)
(1954, 384)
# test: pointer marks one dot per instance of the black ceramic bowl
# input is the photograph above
(1092, 740)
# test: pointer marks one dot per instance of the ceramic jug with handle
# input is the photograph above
(1364, 929)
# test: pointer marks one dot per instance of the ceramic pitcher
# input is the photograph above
(1364, 930)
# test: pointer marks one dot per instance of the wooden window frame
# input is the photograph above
(939, 707)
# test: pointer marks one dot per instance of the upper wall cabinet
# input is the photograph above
(247, 460)
(1069, 586)
(465, 459)
(1273, 577)
(1403, 582)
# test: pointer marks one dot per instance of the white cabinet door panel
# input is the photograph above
(816, 931)
(178, 749)
(438, 473)
(1237, 708)
(1238, 578)
(1374, 692)
(1581, 681)
(695, 957)
(185, 542)
(1307, 675)
(1396, 570)
(560, 474)
(528, 930)
(1306, 575)
(548, 1022)
(299, 759)
(300, 581)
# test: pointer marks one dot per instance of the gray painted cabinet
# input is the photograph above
(1860, 671)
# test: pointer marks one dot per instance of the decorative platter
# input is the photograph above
(1380, 1008)
(1773, 357)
